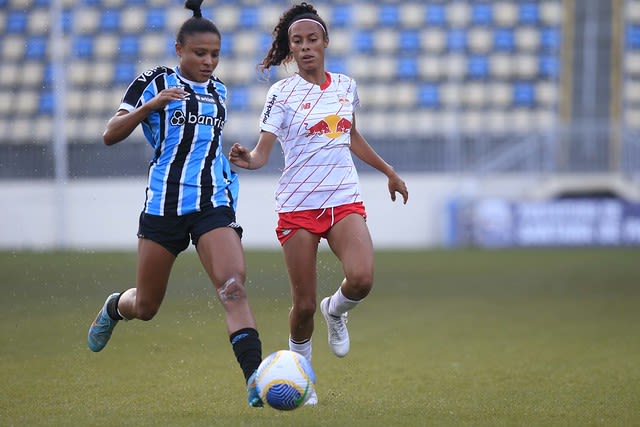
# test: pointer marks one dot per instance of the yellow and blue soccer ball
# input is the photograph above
(285, 380)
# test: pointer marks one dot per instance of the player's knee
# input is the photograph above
(360, 283)
(232, 290)
(305, 309)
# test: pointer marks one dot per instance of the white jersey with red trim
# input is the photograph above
(313, 124)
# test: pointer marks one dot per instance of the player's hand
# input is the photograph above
(397, 185)
(165, 96)
(240, 156)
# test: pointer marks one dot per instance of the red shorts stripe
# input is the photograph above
(316, 221)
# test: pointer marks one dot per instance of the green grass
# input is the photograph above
(459, 338)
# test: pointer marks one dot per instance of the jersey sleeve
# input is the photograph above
(356, 98)
(273, 113)
(141, 90)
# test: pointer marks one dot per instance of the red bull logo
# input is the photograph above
(331, 126)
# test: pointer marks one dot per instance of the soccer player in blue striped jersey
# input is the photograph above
(191, 193)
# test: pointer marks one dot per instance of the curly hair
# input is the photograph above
(280, 53)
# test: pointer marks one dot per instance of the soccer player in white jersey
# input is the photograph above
(191, 192)
(312, 114)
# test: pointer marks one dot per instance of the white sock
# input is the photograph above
(339, 304)
(303, 348)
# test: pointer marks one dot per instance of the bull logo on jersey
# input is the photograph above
(331, 126)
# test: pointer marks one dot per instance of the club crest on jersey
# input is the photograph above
(178, 119)
(331, 126)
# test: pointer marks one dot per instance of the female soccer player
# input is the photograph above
(312, 113)
(191, 192)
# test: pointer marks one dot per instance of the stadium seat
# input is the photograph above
(83, 46)
(249, 17)
(523, 94)
(550, 39)
(409, 41)
(528, 13)
(407, 68)
(129, 46)
(429, 95)
(456, 40)
(336, 64)
(155, 19)
(412, 16)
(481, 13)
(110, 20)
(478, 67)
(16, 22)
(45, 104)
(341, 15)
(36, 48)
(632, 36)
(504, 39)
(549, 66)
(363, 41)
(388, 15)
(435, 15)
(124, 73)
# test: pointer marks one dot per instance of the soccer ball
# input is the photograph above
(285, 380)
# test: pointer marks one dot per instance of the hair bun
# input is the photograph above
(195, 6)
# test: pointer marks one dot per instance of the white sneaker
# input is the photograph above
(312, 400)
(337, 328)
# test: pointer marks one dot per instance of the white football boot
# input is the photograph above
(337, 329)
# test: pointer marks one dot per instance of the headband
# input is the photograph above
(307, 19)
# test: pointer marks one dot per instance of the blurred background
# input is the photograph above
(514, 122)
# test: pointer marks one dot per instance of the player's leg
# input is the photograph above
(350, 241)
(300, 253)
(221, 253)
(154, 264)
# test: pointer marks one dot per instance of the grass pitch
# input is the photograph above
(459, 338)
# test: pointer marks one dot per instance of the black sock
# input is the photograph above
(248, 350)
(112, 308)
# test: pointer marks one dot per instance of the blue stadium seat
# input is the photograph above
(228, 42)
(429, 95)
(16, 21)
(481, 14)
(409, 41)
(523, 94)
(478, 67)
(549, 66)
(550, 39)
(632, 35)
(110, 20)
(337, 64)
(47, 77)
(67, 20)
(341, 15)
(388, 15)
(363, 41)
(124, 73)
(36, 47)
(45, 104)
(129, 46)
(42, 3)
(456, 39)
(528, 13)
(407, 68)
(83, 46)
(435, 15)
(156, 19)
(503, 39)
(239, 98)
(249, 17)
(265, 44)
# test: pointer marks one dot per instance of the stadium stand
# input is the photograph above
(423, 66)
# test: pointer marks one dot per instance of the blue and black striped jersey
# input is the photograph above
(188, 171)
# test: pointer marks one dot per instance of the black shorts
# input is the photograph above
(174, 232)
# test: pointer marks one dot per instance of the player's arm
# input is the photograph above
(123, 123)
(256, 158)
(361, 148)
